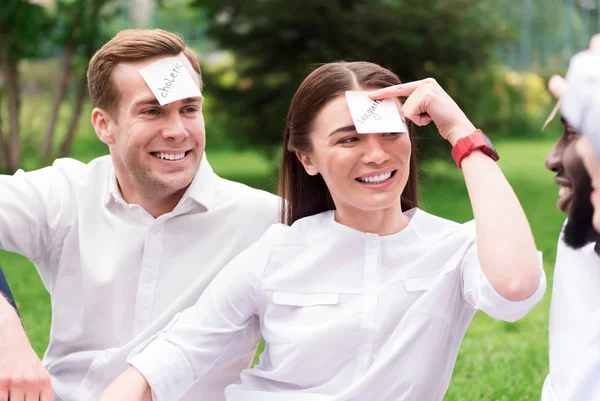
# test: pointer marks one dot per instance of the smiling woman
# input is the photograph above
(360, 295)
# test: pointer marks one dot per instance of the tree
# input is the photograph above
(29, 31)
(276, 42)
(22, 33)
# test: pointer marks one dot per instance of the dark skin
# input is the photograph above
(574, 200)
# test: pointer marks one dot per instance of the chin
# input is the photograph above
(373, 206)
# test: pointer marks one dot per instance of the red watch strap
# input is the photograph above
(466, 145)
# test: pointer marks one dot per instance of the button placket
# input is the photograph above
(147, 278)
(371, 286)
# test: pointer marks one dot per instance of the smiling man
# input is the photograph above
(575, 303)
(126, 242)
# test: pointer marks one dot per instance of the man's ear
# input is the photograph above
(103, 125)
(308, 164)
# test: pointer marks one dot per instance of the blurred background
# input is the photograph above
(494, 57)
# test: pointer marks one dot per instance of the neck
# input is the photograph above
(382, 222)
(152, 201)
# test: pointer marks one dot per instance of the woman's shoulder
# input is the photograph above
(430, 227)
(303, 231)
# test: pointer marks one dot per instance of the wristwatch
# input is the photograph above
(476, 141)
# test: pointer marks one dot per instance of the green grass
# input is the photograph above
(497, 361)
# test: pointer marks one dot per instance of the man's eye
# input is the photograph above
(151, 112)
(391, 134)
(190, 109)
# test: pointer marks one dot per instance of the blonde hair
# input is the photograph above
(131, 45)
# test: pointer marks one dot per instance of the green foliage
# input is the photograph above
(23, 29)
(276, 43)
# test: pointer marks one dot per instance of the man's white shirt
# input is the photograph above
(574, 323)
(345, 315)
(115, 274)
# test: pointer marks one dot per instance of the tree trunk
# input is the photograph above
(80, 96)
(57, 100)
(81, 90)
(13, 97)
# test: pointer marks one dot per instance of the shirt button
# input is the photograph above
(366, 347)
(148, 277)
(155, 229)
(373, 243)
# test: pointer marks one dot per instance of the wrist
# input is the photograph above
(477, 141)
(459, 132)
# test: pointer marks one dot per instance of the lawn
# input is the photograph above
(497, 361)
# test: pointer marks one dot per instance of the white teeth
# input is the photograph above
(564, 191)
(170, 156)
(376, 179)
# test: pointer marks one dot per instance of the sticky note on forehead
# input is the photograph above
(374, 116)
(169, 79)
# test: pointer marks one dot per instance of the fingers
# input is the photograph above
(32, 396)
(415, 107)
(46, 394)
(557, 86)
(595, 42)
(399, 90)
(20, 389)
(419, 95)
(16, 394)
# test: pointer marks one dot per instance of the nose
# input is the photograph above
(175, 129)
(374, 150)
(554, 159)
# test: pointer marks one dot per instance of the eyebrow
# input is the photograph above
(154, 102)
(146, 102)
(348, 128)
(194, 99)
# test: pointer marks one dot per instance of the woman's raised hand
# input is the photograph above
(427, 101)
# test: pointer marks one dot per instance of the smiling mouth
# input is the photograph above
(564, 198)
(377, 179)
(170, 156)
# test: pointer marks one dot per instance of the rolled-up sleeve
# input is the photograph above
(480, 294)
(195, 340)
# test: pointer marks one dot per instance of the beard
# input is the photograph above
(579, 230)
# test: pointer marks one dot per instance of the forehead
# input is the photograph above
(336, 114)
(129, 82)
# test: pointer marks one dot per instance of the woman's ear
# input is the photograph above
(103, 126)
(308, 164)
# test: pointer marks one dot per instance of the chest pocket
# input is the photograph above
(419, 283)
(296, 320)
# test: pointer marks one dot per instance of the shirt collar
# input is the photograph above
(202, 189)
(203, 186)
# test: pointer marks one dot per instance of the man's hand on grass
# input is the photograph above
(22, 375)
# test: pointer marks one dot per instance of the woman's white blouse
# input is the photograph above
(345, 315)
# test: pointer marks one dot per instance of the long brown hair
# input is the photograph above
(305, 195)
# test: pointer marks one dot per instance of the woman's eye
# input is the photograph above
(348, 139)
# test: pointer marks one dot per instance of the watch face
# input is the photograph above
(489, 143)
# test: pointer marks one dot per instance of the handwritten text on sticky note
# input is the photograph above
(374, 116)
(170, 80)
